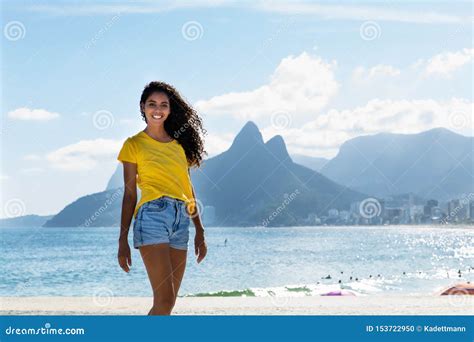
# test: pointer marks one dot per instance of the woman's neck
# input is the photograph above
(158, 133)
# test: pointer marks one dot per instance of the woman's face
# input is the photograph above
(156, 108)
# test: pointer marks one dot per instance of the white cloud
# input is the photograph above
(84, 155)
(323, 11)
(308, 141)
(379, 71)
(216, 144)
(323, 136)
(348, 12)
(301, 85)
(412, 80)
(32, 114)
(87, 154)
(444, 64)
(311, 131)
(106, 7)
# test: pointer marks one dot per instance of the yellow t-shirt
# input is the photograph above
(162, 169)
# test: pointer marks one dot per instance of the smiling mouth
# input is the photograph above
(157, 116)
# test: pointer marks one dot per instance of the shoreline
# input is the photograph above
(310, 305)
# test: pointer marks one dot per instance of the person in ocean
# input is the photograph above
(159, 159)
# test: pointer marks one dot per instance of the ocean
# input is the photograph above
(289, 261)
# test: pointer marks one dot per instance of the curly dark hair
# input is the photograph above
(183, 123)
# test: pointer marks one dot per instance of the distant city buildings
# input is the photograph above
(407, 211)
(389, 211)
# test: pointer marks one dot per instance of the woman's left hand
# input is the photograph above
(200, 247)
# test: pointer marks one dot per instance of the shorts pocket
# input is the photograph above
(157, 206)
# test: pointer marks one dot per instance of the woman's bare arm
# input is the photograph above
(128, 207)
(200, 246)
(196, 217)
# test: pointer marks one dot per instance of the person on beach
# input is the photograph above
(159, 159)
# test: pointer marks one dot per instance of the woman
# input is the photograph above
(161, 156)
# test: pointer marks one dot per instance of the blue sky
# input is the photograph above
(318, 73)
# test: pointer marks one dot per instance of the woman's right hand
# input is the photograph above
(124, 255)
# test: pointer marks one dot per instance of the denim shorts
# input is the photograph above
(163, 220)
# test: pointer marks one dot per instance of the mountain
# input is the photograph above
(433, 164)
(252, 183)
(96, 210)
(253, 180)
(24, 221)
(313, 163)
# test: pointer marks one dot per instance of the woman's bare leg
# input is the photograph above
(158, 266)
(178, 264)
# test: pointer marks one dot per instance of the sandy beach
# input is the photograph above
(314, 305)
